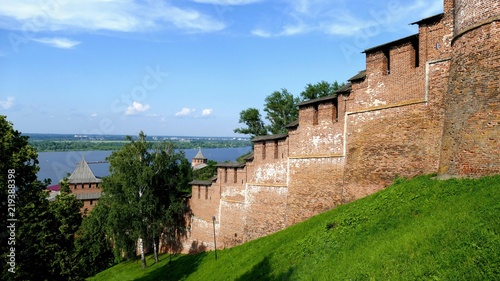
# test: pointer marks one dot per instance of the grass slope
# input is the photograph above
(421, 229)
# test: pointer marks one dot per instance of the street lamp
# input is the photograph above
(215, 241)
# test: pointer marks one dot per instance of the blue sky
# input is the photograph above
(179, 67)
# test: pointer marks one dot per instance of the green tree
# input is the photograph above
(144, 187)
(320, 89)
(66, 210)
(93, 252)
(281, 109)
(206, 173)
(255, 126)
(30, 238)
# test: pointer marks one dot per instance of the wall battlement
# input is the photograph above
(427, 103)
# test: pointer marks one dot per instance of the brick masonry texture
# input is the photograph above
(429, 103)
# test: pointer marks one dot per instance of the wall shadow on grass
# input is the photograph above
(263, 271)
(179, 268)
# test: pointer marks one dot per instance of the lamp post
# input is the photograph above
(215, 241)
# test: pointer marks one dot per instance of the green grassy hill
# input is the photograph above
(421, 229)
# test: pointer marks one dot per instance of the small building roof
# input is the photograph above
(248, 157)
(318, 100)
(345, 89)
(83, 174)
(88, 196)
(361, 75)
(429, 19)
(269, 137)
(398, 42)
(292, 124)
(200, 166)
(230, 165)
(199, 155)
(201, 182)
(55, 187)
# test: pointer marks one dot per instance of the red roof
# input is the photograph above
(55, 187)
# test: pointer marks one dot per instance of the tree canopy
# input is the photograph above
(144, 194)
(255, 126)
(281, 109)
(39, 240)
(320, 89)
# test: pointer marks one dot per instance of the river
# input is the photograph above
(55, 165)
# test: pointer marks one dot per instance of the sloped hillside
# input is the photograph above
(421, 229)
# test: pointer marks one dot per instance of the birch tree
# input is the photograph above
(143, 183)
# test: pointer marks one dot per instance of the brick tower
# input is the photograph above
(471, 139)
(199, 161)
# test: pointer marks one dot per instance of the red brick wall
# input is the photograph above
(469, 13)
(85, 188)
(441, 115)
(472, 132)
(404, 83)
(265, 210)
(89, 205)
(232, 220)
(435, 39)
(82, 188)
(315, 186)
(323, 139)
(269, 170)
(205, 201)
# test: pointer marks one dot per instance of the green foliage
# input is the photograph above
(144, 194)
(93, 251)
(252, 119)
(66, 210)
(34, 227)
(206, 173)
(320, 89)
(281, 108)
(420, 229)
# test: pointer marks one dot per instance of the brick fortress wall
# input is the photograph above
(426, 103)
(471, 133)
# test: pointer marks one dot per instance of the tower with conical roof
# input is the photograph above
(85, 185)
(199, 160)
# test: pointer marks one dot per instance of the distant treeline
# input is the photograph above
(85, 145)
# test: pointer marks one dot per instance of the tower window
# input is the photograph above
(417, 53)
(315, 114)
(263, 150)
(276, 149)
(387, 55)
(335, 112)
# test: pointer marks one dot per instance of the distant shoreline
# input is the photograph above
(70, 142)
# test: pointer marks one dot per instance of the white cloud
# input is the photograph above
(8, 103)
(227, 2)
(136, 108)
(261, 33)
(185, 112)
(62, 43)
(345, 18)
(207, 112)
(93, 115)
(110, 15)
